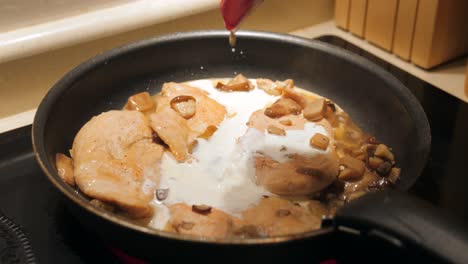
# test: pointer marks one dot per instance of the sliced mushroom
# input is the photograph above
(286, 122)
(314, 110)
(237, 84)
(382, 151)
(320, 141)
(299, 98)
(141, 102)
(201, 209)
(161, 194)
(375, 162)
(286, 84)
(282, 107)
(276, 131)
(329, 114)
(354, 169)
(269, 87)
(210, 130)
(384, 168)
(185, 105)
(394, 175)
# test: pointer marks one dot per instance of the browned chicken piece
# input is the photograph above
(174, 131)
(317, 208)
(212, 224)
(275, 217)
(282, 107)
(179, 130)
(382, 151)
(117, 162)
(65, 168)
(300, 175)
(297, 176)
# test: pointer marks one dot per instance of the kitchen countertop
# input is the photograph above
(29, 27)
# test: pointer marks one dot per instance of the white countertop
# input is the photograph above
(31, 27)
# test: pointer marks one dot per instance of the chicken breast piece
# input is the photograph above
(117, 162)
(274, 216)
(178, 132)
(174, 131)
(299, 175)
(214, 224)
(64, 166)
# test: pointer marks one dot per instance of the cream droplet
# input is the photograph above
(232, 39)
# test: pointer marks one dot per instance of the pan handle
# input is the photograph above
(406, 222)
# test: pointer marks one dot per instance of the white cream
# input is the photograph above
(280, 147)
(161, 216)
(222, 173)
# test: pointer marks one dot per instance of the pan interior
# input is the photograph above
(376, 101)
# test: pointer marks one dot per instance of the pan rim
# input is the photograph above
(408, 100)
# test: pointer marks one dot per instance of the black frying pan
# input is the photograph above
(374, 99)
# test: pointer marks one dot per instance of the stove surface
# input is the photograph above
(29, 200)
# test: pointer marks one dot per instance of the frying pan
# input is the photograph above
(375, 100)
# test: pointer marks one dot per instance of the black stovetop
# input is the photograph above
(29, 200)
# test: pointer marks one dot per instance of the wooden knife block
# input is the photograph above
(425, 32)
